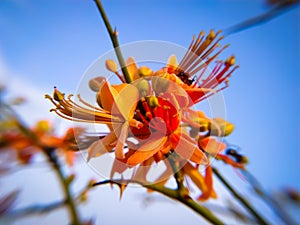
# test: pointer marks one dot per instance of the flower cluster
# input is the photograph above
(26, 143)
(151, 119)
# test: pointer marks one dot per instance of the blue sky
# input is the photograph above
(47, 43)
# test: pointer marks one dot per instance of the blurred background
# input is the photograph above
(52, 43)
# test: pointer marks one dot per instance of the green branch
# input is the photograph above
(114, 39)
(173, 194)
(52, 158)
(241, 199)
(65, 183)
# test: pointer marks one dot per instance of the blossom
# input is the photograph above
(27, 146)
(151, 120)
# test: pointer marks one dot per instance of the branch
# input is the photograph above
(259, 190)
(114, 39)
(173, 194)
(257, 20)
(241, 199)
(34, 209)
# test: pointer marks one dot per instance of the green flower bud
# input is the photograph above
(143, 87)
(152, 101)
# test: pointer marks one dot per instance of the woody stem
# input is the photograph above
(114, 39)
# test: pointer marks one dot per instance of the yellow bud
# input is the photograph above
(152, 101)
(244, 160)
(111, 65)
(220, 127)
(43, 126)
(203, 123)
(96, 83)
(143, 87)
(145, 71)
(230, 61)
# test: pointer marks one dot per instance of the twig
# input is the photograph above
(114, 39)
(257, 20)
(257, 187)
(34, 209)
(65, 185)
(173, 194)
(52, 158)
(242, 200)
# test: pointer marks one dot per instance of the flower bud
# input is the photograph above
(220, 127)
(145, 71)
(143, 87)
(230, 61)
(152, 101)
(111, 65)
(96, 83)
(160, 84)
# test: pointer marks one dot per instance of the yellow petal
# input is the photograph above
(147, 150)
(126, 100)
(132, 68)
(195, 176)
(172, 62)
(121, 141)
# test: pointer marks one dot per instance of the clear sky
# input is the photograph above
(46, 43)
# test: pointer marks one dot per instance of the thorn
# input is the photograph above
(116, 32)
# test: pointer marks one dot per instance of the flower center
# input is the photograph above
(158, 114)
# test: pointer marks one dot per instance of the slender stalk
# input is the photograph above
(114, 39)
(269, 200)
(52, 158)
(173, 194)
(177, 174)
(34, 209)
(242, 200)
(65, 185)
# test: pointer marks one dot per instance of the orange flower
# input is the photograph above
(151, 118)
(193, 69)
(26, 147)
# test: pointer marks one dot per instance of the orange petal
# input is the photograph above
(188, 150)
(211, 145)
(147, 150)
(107, 96)
(132, 68)
(126, 100)
(120, 165)
(70, 157)
(231, 162)
(121, 141)
(195, 176)
(101, 146)
(143, 169)
(209, 183)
